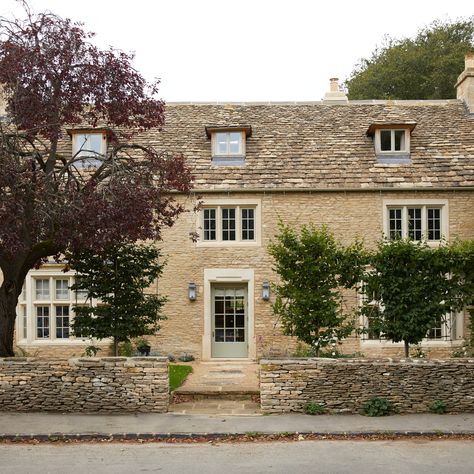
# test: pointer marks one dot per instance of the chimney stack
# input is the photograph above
(465, 83)
(334, 96)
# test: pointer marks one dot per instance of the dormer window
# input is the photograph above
(391, 142)
(228, 144)
(88, 147)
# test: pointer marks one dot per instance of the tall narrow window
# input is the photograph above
(42, 322)
(395, 223)
(228, 223)
(414, 223)
(210, 224)
(248, 223)
(434, 223)
(62, 322)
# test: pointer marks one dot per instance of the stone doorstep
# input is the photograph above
(217, 407)
(206, 393)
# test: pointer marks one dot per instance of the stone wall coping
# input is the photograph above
(79, 360)
(343, 361)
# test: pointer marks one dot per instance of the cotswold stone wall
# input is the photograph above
(109, 384)
(344, 385)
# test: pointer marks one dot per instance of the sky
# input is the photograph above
(247, 50)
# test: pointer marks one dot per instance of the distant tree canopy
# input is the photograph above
(425, 67)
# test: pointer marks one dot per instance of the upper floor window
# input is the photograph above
(88, 148)
(228, 144)
(415, 220)
(229, 223)
(392, 142)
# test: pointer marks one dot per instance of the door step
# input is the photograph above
(217, 404)
(183, 394)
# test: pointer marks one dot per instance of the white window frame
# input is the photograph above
(238, 205)
(392, 152)
(27, 304)
(215, 151)
(424, 204)
(90, 159)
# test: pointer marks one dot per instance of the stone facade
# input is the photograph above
(109, 384)
(344, 385)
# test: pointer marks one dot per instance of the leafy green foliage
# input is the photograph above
(118, 278)
(313, 408)
(178, 374)
(425, 67)
(438, 406)
(313, 268)
(411, 287)
(377, 406)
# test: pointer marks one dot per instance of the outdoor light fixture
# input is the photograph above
(192, 291)
(265, 290)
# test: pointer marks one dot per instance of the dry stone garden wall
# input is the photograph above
(344, 385)
(109, 384)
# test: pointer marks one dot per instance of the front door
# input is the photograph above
(229, 321)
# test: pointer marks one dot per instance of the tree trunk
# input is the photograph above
(116, 347)
(407, 349)
(8, 302)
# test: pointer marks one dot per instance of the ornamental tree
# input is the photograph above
(411, 287)
(424, 67)
(53, 77)
(118, 278)
(313, 269)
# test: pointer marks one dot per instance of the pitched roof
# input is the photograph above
(320, 146)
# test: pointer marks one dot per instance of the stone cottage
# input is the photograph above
(363, 168)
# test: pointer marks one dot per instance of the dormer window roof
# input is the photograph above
(228, 144)
(392, 141)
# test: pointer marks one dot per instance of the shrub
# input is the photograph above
(186, 358)
(313, 408)
(438, 406)
(377, 406)
(91, 351)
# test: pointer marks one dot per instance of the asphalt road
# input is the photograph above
(387, 457)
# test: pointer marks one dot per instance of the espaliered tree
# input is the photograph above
(119, 278)
(411, 287)
(53, 77)
(313, 269)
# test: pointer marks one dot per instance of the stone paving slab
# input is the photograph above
(216, 407)
(222, 376)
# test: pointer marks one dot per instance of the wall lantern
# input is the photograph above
(192, 291)
(265, 290)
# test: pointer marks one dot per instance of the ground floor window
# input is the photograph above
(45, 308)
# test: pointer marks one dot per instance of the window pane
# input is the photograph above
(62, 322)
(88, 145)
(434, 223)
(81, 294)
(234, 143)
(385, 140)
(229, 335)
(240, 335)
(414, 223)
(25, 322)
(209, 224)
(62, 289)
(248, 224)
(436, 331)
(221, 143)
(42, 289)
(228, 224)
(395, 223)
(399, 140)
(42, 322)
(219, 335)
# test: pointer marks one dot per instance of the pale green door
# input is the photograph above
(229, 321)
